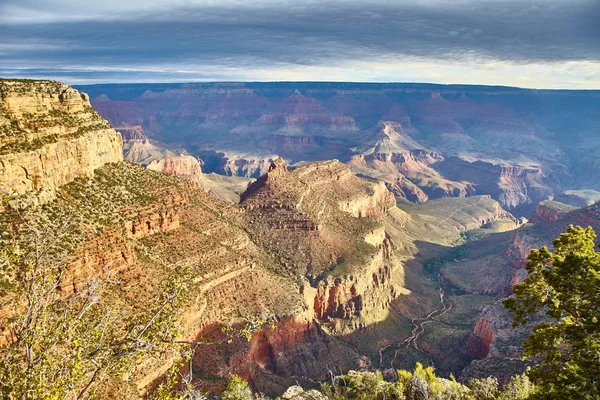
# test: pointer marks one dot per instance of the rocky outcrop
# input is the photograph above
(511, 184)
(50, 136)
(358, 291)
(495, 346)
(106, 255)
(56, 164)
(247, 166)
(357, 297)
(183, 166)
(153, 221)
(405, 166)
(296, 351)
(135, 132)
(143, 152)
(493, 334)
(297, 393)
(549, 211)
(520, 247)
(376, 203)
(481, 339)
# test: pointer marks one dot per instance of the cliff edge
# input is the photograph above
(50, 135)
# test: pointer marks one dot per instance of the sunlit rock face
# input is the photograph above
(184, 166)
(50, 136)
(549, 211)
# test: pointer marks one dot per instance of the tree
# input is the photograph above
(65, 345)
(237, 389)
(565, 285)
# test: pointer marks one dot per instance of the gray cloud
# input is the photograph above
(181, 42)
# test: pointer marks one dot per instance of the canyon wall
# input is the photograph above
(353, 300)
(186, 167)
(511, 184)
(50, 136)
(549, 211)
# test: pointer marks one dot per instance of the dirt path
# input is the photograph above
(222, 279)
(459, 209)
(419, 326)
(212, 284)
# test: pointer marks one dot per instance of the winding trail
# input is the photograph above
(459, 209)
(419, 326)
(197, 314)
(221, 279)
(455, 211)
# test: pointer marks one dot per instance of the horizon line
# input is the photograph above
(209, 82)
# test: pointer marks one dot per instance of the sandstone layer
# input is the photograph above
(549, 211)
(50, 136)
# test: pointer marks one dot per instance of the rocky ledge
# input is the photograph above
(549, 211)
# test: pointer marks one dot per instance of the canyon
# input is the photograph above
(371, 224)
(424, 141)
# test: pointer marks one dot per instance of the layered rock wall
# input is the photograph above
(186, 167)
(108, 253)
(351, 299)
(550, 211)
(50, 135)
(512, 185)
(56, 164)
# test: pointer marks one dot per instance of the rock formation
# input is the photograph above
(513, 185)
(406, 166)
(549, 211)
(50, 136)
(496, 346)
(186, 167)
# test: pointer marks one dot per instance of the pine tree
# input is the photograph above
(565, 285)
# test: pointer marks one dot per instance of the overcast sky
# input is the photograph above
(527, 43)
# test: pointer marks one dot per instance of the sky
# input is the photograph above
(525, 43)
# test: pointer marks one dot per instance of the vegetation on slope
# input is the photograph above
(48, 123)
(563, 284)
(76, 346)
(68, 332)
(420, 384)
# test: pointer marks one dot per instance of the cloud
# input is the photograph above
(230, 39)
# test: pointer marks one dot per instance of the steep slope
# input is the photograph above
(494, 345)
(550, 210)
